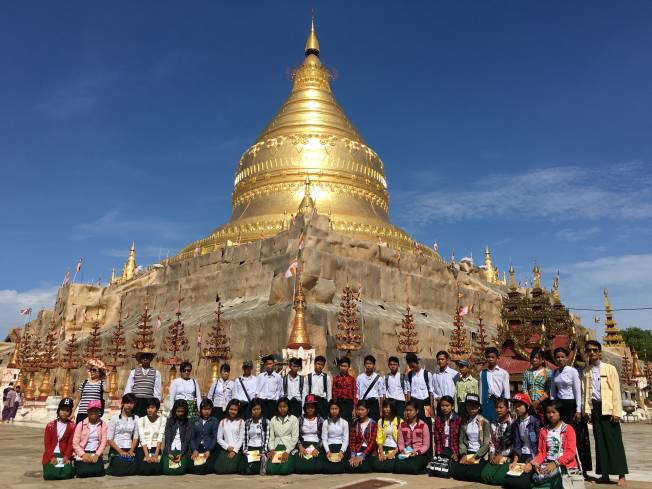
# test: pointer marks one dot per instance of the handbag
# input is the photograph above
(439, 467)
(573, 478)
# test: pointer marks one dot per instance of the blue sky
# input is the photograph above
(524, 125)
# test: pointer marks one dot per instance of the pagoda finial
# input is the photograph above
(312, 45)
(555, 290)
(536, 279)
(637, 373)
(607, 305)
(612, 336)
(307, 205)
(512, 280)
(490, 272)
(299, 334)
(130, 267)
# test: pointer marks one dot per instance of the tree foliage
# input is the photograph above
(640, 339)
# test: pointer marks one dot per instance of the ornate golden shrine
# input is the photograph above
(310, 137)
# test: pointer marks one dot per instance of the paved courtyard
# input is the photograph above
(21, 448)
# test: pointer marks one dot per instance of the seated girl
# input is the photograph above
(557, 449)
(230, 435)
(151, 431)
(122, 437)
(255, 441)
(178, 431)
(475, 434)
(500, 445)
(447, 430)
(89, 442)
(387, 438)
(525, 440)
(335, 440)
(310, 457)
(413, 442)
(282, 440)
(362, 440)
(57, 457)
(203, 441)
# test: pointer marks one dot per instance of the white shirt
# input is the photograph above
(418, 389)
(318, 385)
(157, 383)
(309, 430)
(335, 433)
(176, 442)
(596, 395)
(393, 387)
(122, 431)
(389, 436)
(443, 383)
(363, 426)
(184, 389)
(231, 434)
(363, 382)
(250, 384)
(151, 433)
(498, 381)
(256, 434)
(294, 387)
(61, 430)
(566, 385)
(447, 432)
(221, 392)
(473, 435)
(93, 438)
(269, 386)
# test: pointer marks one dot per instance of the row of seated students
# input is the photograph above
(515, 453)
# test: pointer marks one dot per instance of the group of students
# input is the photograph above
(402, 423)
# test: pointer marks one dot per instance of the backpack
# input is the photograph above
(325, 377)
(402, 382)
(285, 385)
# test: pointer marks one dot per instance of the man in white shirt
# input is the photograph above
(144, 382)
(269, 387)
(185, 388)
(370, 387)
(293, 387)
(443, 379)
(494, 382)
(418, 386)
(244, 389)
(395, 386)
(320, 385)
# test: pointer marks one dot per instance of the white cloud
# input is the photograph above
(115, 223)
(563, 192)
(12, 301)
(571, 234)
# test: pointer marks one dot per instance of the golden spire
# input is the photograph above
(612, 336)
(512, 280)
(636, 368)
(312, 45)
(504, 282)
(307, 204)
(112, 275)
(536, 279)
(555, 291)
(490, 272)
(130, 266)
(299, 334)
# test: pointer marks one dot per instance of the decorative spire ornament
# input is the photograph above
(458, 347)
(637, 373)
(408, 338)
(536, 279)
(512, 280)
(625, 368)
(349, 338)
(116, 354)
(218, 342)
(312, 45)
(49, 360)
(71, 360)
(481, 341)
(490, 272)
(144, 340)
(174, 343)
(299, 335)
(93, 349)
(612, 336)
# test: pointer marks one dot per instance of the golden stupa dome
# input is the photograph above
(309, 139)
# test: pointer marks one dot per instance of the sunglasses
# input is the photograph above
(93, 370)
(186, 370)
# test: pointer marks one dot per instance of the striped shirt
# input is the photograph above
(90, 391)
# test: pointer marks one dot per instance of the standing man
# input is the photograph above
(144, 382)
(466, 384)
(418, 386)
(344, 389)
(244, 389)
(293, 387)
(18, 401)
(443, 379)
(603, 404)
(269, 387)
(8, 400)
(320, 385)
(370, 387)
(395, 386)
(494, 382)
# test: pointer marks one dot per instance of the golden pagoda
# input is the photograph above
(128, 269)
(612, 336)
(299, 335)
(490, 272)
(309, 138)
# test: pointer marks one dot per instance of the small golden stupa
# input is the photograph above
(309, 139)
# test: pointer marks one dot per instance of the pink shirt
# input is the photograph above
(80, 439)
(416, 437)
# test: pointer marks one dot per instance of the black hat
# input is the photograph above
(66, 402)
(473, 398)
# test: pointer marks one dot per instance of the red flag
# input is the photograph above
(26, 311)
(79, 264)
(464, 311)
(292, 269)
(66, 280)
(453, 257)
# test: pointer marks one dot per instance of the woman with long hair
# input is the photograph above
(310, 456)
(57, 457)
(413, 442)
(282, 440)
(255, 440)
(537, 381)
(500, 445)
(203, 442)
(122, 437)
(151, 431)
(475, 435)
(335, 439)
(230, 436)
(178, 431)
(362, 439)
(387, 437)
(525, 442)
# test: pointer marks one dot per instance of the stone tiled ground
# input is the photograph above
(20, 453)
